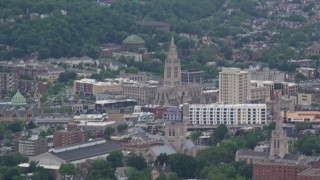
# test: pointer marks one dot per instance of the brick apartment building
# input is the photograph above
(282, 170)
(32, 86)
(71, 136)
(8, 82)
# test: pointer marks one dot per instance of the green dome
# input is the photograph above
(133, 39)
(18, 99)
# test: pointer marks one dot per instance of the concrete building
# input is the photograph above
(189, 77)
(229, 114)
(91, 87)
(143, 93)
(95, 126)
(305, 99)
(267, 74)
(259, 94)
(8, 82)
(234, 86)
(107, 87)
(135, 56)
(72, 136)
(139, 77)
(31, 147)
(286, 89)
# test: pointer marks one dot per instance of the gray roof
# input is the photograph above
(253, 153)
(167, 148)
(87, 152)
(189, 144)
(292, 157)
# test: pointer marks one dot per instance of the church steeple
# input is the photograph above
(279, 145)
(172, 67)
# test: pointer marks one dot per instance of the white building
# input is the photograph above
(229, 114)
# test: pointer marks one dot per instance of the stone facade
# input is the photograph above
(172, 67)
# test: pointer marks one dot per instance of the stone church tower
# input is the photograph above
(172, 67)
(175, 134)
(279, 142)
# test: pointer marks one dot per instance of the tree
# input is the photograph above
(169, 176)
(109, 131)
(302, 126)
(68, 169)
(134, 174)
(15, 126)
(308, 145)
(300, 77)
(100, 169)
(185, 166)
(115, 158)
(219, 134)
(122, 127)
(162, 158)
(8, 173)
(41, 173)
(12, 159)
(137, 161)
(64, 77)
(195, 134)
(31, 125)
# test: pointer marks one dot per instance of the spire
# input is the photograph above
(172, 41)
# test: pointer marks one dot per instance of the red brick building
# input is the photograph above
(277, 170)
(69, 137)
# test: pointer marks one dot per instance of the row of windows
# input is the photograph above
(224, 109)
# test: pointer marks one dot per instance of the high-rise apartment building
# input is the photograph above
(234, 86)
(8, 82)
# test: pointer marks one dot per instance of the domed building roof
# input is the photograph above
(18, 99)
(133, 39)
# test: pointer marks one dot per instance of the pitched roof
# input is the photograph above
(133, 39)
(87, 152)
(167, 148)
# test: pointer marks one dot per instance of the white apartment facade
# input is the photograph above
(234, 86)
(228, 114)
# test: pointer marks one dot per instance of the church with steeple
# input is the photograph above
(279, 150)
(172, 93)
